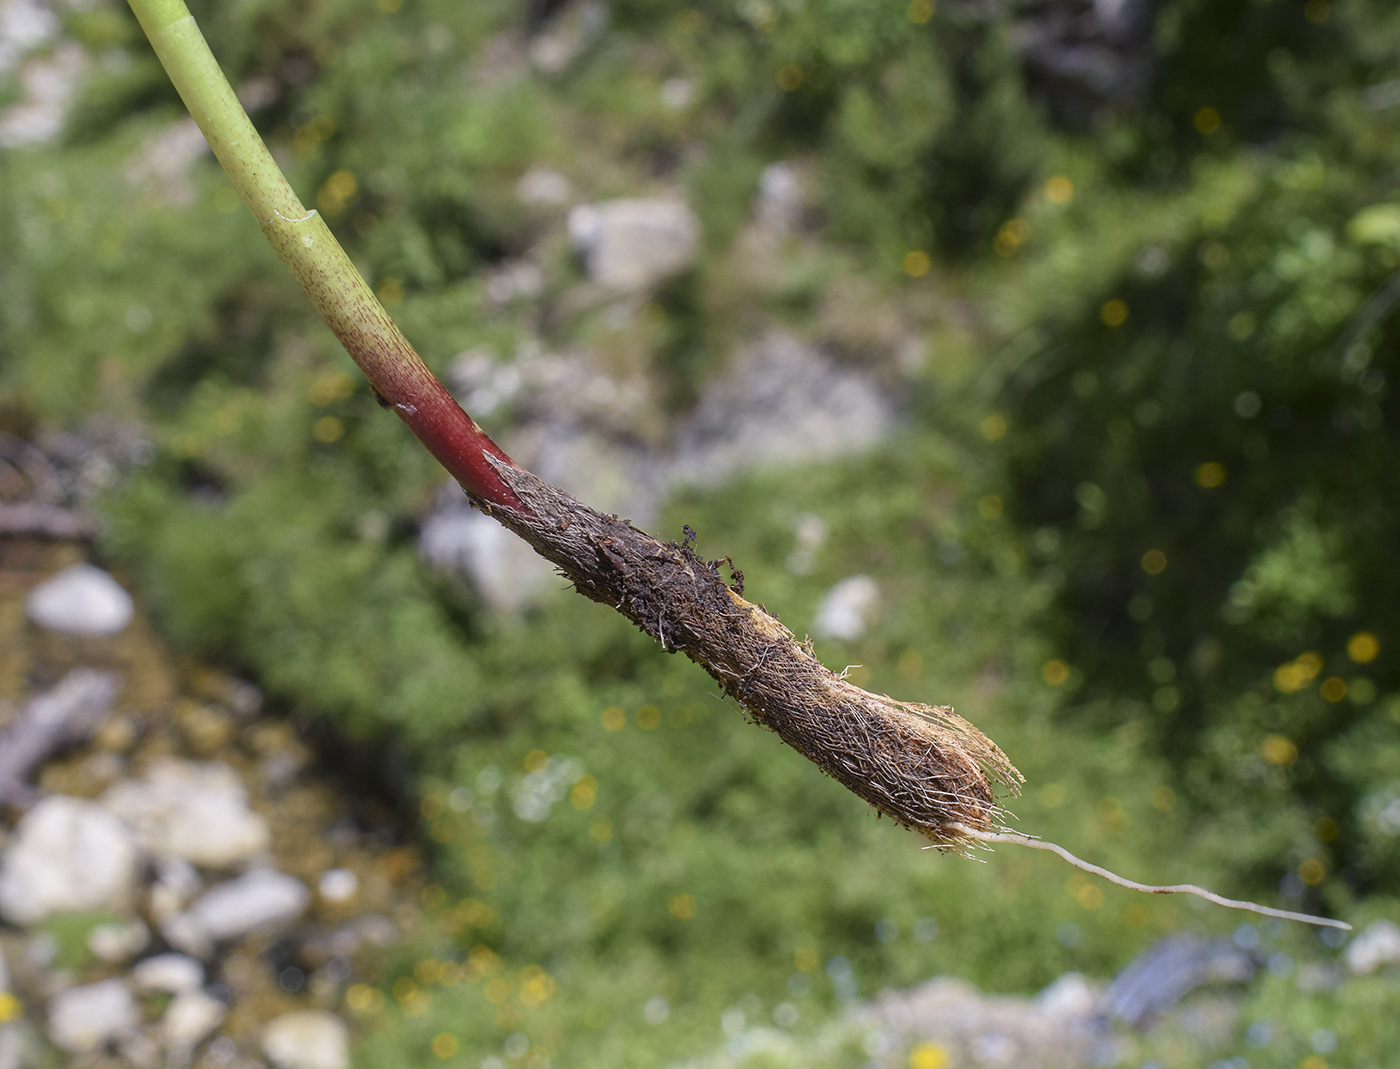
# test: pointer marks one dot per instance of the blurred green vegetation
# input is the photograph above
(1154, 439)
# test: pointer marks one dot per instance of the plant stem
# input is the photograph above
(305, 244)
(925, 767)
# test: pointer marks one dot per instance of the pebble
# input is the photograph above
(69, 854)
(12, 1047)
(542, 188)
(848, 609)
(1378, 944)
(781, 198)
(262, 898)
(72, 854)
(506, 572)
(80, 600)
(117, 942)
(86, 1017)
(171, 973)
(176, 883)
(191, 810)
(308, 1039)
(140, 1048)
(633, 244)
(338, 885)
(191, 1016)
(781, 401)
(1069, 998)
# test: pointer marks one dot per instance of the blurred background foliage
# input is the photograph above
(1133, 522)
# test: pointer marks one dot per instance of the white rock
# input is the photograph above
(168, 972)
(848, 609)
(191, 810)
(567, 35)
(176, 883)
(676, 93)
(117, 942)
(507, 573)
(338, 885)
(543, 188)
(191, 1016)
(163, 164)
(47, 84)
(184, 933)
(1378, 944)
(141, 1048)
(80, 600)
(12, 1047)
(83, 1018)
(42, 949)
(780, 401)
(262, 898)
(24, 26)
(781, 198)
(68, 854)
(634, 244)
(309, 1039)
(1069, 996)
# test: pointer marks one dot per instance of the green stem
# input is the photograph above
(316, 260)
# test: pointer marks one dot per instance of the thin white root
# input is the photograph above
(1132, 885)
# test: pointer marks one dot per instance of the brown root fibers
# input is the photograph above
(922, 766)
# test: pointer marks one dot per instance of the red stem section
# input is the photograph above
(399, 377)
(430, 411)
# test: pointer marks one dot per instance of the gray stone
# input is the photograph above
(22, 1046)
(168, 972)
(68, 854)
(506, 572)
(848, 609)
(25, 25)
(80, 600)
(117, 942)
(41, 950)
(634, 244)
(338, 885)
(782, 195)
(677, 93)
(568, 34)
(540, 187)
(141, 1048)
(1162, 975)
(47, 84)
(308, 1039)
(195, 811)
(84, 1018)
(191, 1016)
(61, 716)
(1376, 945)
(262, 898)
(976, 1028)
(175, 884)
(162, 166)
(780, 402)
(1070, 997)
(186, 935)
